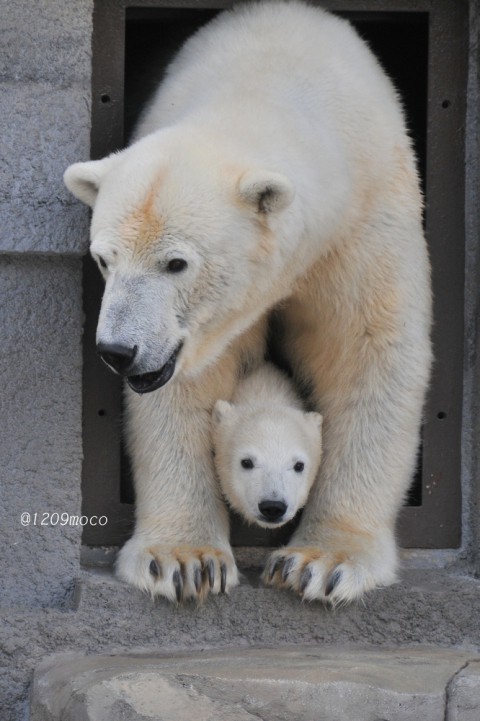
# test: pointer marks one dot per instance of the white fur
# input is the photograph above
(273, 159)
(265, 423)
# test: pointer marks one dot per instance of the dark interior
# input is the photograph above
(400, 41)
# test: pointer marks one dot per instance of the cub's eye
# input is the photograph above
(246, 463)
(299, 466)
(102, 262)
(176, 265)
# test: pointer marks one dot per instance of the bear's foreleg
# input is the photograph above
(367, 371)
(345, 544)
(180, 548)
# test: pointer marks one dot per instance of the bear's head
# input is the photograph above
(193, 247)
(266, 459)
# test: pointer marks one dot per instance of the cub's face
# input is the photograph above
(186, 244)
(266, 461)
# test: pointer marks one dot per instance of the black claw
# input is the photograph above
(223, 577)
(274, 566)
(334, 579)
(178, 583)
(305, 579)
(211, 573)
(197, 578)
(289, 563)
(155, 568)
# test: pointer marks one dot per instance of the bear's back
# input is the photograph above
(282, 57)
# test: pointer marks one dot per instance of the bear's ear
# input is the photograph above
(266, 191)
(221, 410)
(83, 179)
(316, 419)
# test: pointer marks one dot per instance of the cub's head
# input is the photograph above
(266, 460)
(188, 243)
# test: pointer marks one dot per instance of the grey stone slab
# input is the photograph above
(275, 685)
(108, 617)
(44, 129)
(464, 694)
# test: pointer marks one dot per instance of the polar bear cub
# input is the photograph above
(267, 448)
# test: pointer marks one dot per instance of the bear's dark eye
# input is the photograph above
(299, 466)
(246, 463)
(102, 262)
(176, 265)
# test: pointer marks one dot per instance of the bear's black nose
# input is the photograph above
(272, 511)
(118, 357)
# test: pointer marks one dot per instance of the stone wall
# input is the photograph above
(45, 60)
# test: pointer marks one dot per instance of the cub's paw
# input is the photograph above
(333, 576)
(178, 573)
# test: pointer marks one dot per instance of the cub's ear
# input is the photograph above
(221, 410)
(315, 419)
(83, 179)
(267, 192)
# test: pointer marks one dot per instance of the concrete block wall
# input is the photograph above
(45, 92)
(45, 85)
(40, 405)
(45, 73)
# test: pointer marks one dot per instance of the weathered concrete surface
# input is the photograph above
(433, 607)
(38, 212)
(463, 694)
(108, 617)
(39, 444)
(274, 685)
(45, 66)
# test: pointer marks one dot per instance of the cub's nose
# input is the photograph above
(118, 357)
(272, 511)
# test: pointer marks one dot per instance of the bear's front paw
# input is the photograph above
(329, 575)
(178, 573)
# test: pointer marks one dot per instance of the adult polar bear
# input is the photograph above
(272, 165)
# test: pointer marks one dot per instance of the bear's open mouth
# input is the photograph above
(147, 382)
(261, 520)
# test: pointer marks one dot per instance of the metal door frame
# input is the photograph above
(437, 522)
